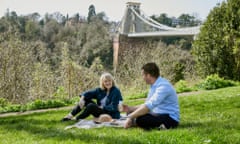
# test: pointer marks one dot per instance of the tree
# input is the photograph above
(32, 30)
(163, 19)
(217, 47)
(15, 67)
(4, 24)
(98, 42)
(91, 12)
(34, 16)
(186, 20)
(76, 17)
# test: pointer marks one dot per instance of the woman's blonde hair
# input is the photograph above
(106, 76)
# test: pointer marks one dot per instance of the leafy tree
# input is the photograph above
(32, 30)
(76, 17)
(34, 16)
(217, 47)
(102, 16)
(3, 25)
(163, 19)
(91, 12)
(186, 20)
(58, 17)
(98, 42)
(15, 68)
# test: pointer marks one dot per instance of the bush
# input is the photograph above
(138, 95)
(37, 104)
(3, 102)
(181, 86)
(215, 82)
(13, 108)
(41, 104)
(60, 92)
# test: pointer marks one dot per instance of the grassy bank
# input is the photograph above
(206, 117)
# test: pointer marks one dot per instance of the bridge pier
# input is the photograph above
(115, 52)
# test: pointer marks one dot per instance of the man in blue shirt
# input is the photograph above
(161, 107)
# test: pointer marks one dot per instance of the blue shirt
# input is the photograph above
(162, 99)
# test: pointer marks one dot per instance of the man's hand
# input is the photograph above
(141, 110)
(128, 123)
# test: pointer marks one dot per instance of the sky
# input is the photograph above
(114, 9)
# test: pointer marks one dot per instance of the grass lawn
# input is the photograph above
(207, 117)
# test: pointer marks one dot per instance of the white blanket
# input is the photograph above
(87, 124)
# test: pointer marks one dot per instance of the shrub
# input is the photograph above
(60, 92)
(41, 104)
(3, 102)
(13, 108)
(215, 82)
(137, 96)
(181, 86)
(37, 104)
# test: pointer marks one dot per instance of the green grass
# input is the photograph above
(207, 117)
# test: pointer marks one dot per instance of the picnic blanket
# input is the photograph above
(88, 124)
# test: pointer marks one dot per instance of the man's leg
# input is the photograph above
(93, 109)
(150, 121)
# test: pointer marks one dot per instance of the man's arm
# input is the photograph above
(126, 108)
(141, 110)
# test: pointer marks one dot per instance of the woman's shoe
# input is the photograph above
(66, 119)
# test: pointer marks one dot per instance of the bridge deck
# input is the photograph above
(162, 33)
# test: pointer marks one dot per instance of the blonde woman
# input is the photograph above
(107, 98)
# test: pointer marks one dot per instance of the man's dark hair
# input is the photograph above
(152, 69)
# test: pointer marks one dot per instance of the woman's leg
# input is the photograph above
(93, 109)
(75, 111)
(77, 108)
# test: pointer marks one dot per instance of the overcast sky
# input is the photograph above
(114, 9)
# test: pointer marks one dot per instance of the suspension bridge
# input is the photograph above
(135, 23)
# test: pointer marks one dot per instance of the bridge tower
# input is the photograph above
(130, 22)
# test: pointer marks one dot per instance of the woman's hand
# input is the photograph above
(123, 108)
(81, 103)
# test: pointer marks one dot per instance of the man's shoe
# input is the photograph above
(162, 127)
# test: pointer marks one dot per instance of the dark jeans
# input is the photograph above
(150, 121)
(90, 108)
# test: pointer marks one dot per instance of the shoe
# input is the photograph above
(66, 119)
(162, 127)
